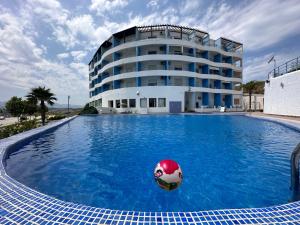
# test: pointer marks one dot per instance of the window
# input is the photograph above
(236, 101)
(152, 67)
(99, 102)
(118, 104)
(111, 103)
(132, 103)
(152, 102)
(178, 81)
(152, 82)
(161, 102)
(143, 102)
(124, 103)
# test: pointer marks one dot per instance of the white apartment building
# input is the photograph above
(166, 68)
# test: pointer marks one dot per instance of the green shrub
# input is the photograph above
(88, 110)
(16, 128)
(23, 118)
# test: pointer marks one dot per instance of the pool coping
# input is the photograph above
(292, 124)
(20, 204)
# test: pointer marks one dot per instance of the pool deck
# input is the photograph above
(20, 204)
(289, 121)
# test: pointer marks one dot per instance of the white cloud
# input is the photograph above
(23, 63)
(63, 55)
(83, 27)
(68, 30)
(107, 6)
(167, 16)
(49, 9)
(63, 36)
(78, 55)
(257, 24)
(153, 4)
(188, 7)
(12, 31)
(81, 68)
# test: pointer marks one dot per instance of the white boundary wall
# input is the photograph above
(282, 95)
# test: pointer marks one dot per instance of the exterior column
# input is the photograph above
(228, 100)
(137, 67)
(217, 99)
(205, 99)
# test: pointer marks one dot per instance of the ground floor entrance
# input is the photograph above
(200, 100)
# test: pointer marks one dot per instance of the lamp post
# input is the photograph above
(69, 104)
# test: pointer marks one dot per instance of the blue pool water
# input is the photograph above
(108, 161)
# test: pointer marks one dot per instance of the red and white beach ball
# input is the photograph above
(168, 174)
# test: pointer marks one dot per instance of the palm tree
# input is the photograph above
(250, 87)
(42, 95)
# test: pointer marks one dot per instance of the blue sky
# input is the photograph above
(50, 42)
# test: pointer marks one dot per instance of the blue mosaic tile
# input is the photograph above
(3, 212)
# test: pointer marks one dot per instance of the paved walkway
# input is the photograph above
(289, 121)
(8, 121)
(292, 118)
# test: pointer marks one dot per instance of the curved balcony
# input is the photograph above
(182, 88)
(160, 57)
(149, 73)
(163, 41)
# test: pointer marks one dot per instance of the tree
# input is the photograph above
(43, 96)
(15, 106)
(252, 87)
(30, 107)
(88, 110)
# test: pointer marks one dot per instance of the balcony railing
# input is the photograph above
(289, 66)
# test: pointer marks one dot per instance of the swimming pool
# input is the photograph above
(108, 161)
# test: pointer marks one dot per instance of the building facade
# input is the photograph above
(166, 68)
(282, 95)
